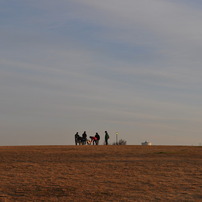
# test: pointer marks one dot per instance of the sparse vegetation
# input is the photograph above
(120, 142)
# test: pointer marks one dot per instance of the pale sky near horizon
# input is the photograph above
(132, 67)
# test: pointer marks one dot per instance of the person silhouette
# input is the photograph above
(77, 138)
(98, 138)
(106, 137)
(84, 138)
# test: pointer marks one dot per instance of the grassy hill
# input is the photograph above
(101, 173)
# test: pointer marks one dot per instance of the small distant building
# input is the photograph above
(146, 143)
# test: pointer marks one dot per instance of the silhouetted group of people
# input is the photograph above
(83, 140)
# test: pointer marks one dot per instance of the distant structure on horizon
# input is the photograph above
(146, 143)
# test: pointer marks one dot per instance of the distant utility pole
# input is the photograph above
(116, 138)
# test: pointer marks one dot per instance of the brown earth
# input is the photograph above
(101, 173)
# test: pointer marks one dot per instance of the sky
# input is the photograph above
(129, 67)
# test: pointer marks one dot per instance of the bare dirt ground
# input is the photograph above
(101, 173)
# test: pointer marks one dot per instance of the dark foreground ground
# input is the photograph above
(101, 173)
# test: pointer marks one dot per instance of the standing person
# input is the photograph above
(76, 138)
(84, 138)
(98, 138)
(106, 137)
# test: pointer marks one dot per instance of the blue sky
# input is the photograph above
(132, 67)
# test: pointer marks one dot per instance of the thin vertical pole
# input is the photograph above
(116, 138)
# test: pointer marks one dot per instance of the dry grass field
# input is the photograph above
(101, 173)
